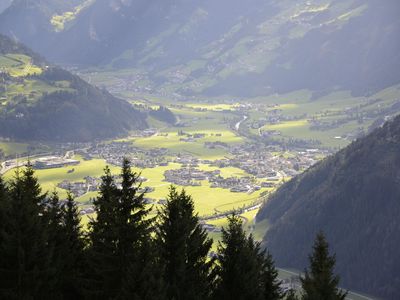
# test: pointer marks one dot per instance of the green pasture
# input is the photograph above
(18, 65)
(11, 148)
(49, 178)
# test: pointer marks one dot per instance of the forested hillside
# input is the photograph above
(354, 197)
(30, 21)
(43, 102)
(213, 48)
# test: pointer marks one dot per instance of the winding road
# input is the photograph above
(237, 125)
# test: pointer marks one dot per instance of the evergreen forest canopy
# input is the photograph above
(353, 197)
(128, 254)
(43, 102)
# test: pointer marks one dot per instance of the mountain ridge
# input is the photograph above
(234, 48)
(44, 102)
(354, 197)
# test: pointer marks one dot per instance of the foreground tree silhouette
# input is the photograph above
(272, 290)
(319, 282)
(52, 217)
(102, 281)
(3, 205)
(25, 270)
(73, 260)
(184, 246)
(244, 271)
(120, 240)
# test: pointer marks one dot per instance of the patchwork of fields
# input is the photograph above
(211, 131)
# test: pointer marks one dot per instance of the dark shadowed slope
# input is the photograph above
(354, 197)
(43, 102)
(30, 21)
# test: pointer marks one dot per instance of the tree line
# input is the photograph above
(125, 253)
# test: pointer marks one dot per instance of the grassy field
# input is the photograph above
(10, 148)
(300, 107)
(51, 177)
(207, 200)
(61, 21)
(18, 65)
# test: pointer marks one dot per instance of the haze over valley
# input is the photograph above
(284, 113)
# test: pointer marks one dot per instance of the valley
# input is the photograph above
(229, 154)
(285, 113)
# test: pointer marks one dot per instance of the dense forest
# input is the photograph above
(55, 105)
(127, 253)
(163, 114)
(354, 197)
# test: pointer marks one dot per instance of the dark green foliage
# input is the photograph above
(102, 237)
(81, 113)
(319, 282)
(269, 273)
(44, 254)
(119, 238)
(353, 197)
(4, 203)
(163, 114)
(184, 246)
(72, 256)
(244, 271)
(25, 260)
(52, 217)
(291, 295)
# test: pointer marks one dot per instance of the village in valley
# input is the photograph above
(263, 168)
(229, 155)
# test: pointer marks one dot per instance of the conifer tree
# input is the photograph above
(272, 290)
(148, 282)
(3, 205)
(291, 295)
(319, 282)
(25, 261)
(102, 282)
(184, 247)
(72, 252)
(52, 217)
(119, 236)
(140, 269)
(243, 270)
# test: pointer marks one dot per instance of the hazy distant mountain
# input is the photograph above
(243, 48)
(239, 48)
(354, 197)
(39, 101)
(4, 4)
(30, 21)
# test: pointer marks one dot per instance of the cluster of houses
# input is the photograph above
(193, 177)
(261, 161)
(114, 153)
(91, 184)
(188, 176)
(235, 184)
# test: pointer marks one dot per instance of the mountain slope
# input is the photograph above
(354, 197)
(4, 4)
(232, 47)
(43, 102)
(30, 21)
